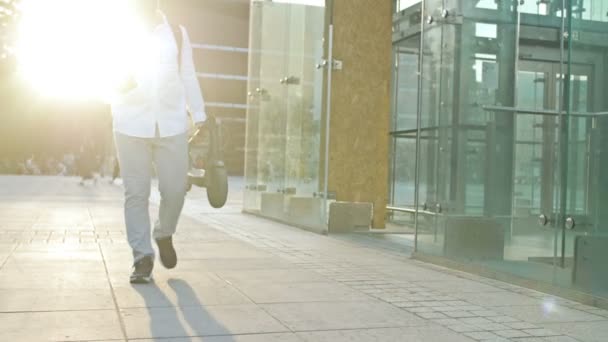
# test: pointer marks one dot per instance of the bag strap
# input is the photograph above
(179, 39)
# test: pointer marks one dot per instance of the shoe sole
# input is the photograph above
(167, 265)
(141, 279)
(163, 261)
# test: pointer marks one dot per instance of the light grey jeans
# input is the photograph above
(137, 156)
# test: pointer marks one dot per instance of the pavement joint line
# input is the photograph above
(52, 311)
(427, 323)
(9, 255)
(208, 335)
(104, 340)
(121, 321)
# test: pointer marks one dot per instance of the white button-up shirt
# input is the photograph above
(165, 90)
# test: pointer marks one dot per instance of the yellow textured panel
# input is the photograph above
(361, 103)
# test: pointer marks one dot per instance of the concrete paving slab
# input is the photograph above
(410, 334)
(178, 293)
(456, 285)
(60, 326)
(276, 292)
(199, 321)
(23, 300)
(582, 331)
(222, 250)
(50, 279)
(548, 313)
(341, 315)
(270, 276)
(498, 298)
(280, 337)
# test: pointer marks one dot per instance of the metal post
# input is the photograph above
(419, 126)
(330, 59)
(565, 131)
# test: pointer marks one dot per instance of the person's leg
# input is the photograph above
(135, 155)
(171, 160)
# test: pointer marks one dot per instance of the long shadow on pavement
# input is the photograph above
(165, 319)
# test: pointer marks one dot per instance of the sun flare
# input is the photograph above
(77, 49)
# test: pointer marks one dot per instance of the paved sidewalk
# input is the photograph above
(64, 267)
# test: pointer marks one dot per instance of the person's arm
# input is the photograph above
(194, 96)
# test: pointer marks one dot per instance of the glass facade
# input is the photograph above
(500, 135)
(284, 167)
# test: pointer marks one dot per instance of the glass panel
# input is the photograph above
(406, 85)
(594, 10)
(535, 143)
(266, 173)
(582, 247)
(404, 171)
(403, 131)
(435, 131)
(304, 85)
(251, 195)
(400, 5)
(284, 112)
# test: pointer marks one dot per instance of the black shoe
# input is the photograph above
(167, 253)
(142, 271)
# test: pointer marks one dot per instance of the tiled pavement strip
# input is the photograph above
(64, 267)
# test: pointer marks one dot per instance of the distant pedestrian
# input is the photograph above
(87, 163)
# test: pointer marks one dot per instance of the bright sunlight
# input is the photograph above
(77, 49)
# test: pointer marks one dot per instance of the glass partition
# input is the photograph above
(510, 131)
(583, 237)
(284, 118)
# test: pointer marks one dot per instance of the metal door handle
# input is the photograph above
(543, 220)
(570, 223)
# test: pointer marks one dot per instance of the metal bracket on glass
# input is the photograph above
(290, 80)
(444, 16)
(543, 220)
(330, 195)
(262, 93)
(336, 64)
(570, 223)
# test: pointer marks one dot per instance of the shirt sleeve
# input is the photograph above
(194, 96)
